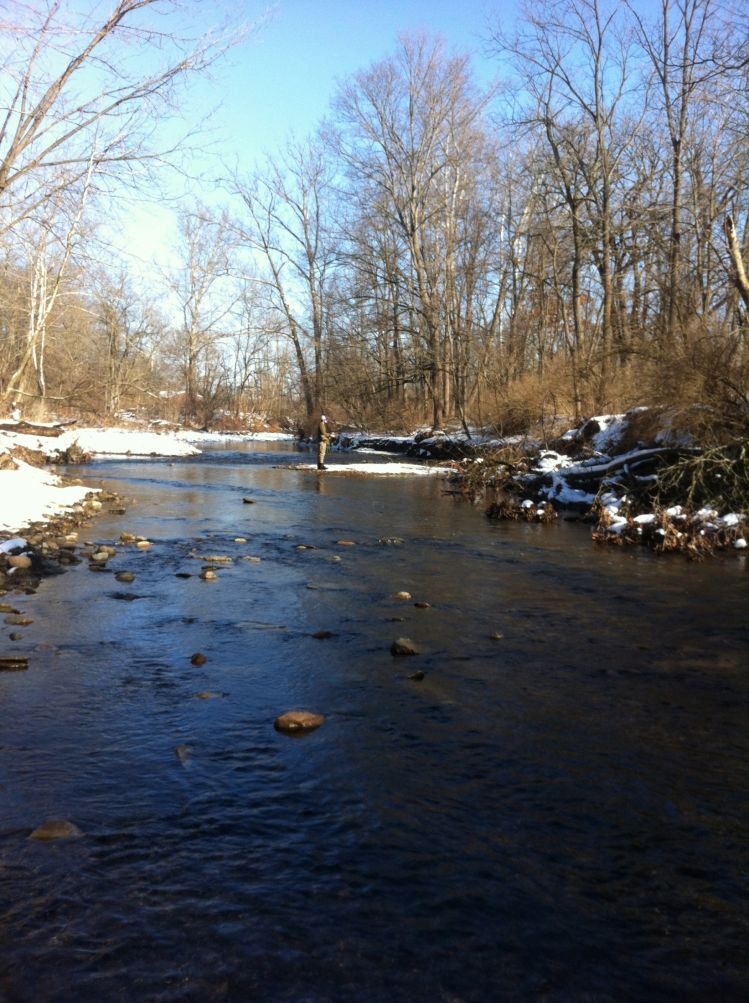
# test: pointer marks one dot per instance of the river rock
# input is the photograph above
(346, 543)
(423, 605)
(125, 576)
(496, 636)
(403, 646)
(240, 539)
(183, 574)
(208, 576)
(251, 559)
(417, 676)
(207, 695)
(248, 501)
(198, 658)
(7, 608)
(143, 544)
(15, 637)
(298, 722)
(402, 595)
(13, 663)
(217, 559)
(56, 828)
(20, 561)
(100, 556)
(323, 635)
(18, 620)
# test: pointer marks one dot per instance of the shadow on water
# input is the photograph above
(559, 813)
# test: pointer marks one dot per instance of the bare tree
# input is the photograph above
(405, 130)
(287, 228)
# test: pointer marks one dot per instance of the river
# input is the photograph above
(558, 814)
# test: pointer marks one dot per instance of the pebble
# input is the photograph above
(56, 828)
(18, 620)
(208, 575)
(402, 595)
(423, 605)
(249, 501)
(346, 543)
(298, 722)
(240, 539)
(20, 561)
(125, 576)
(143, 544)
(198, 658)
(251, 560)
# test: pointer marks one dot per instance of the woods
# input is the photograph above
(568, 239)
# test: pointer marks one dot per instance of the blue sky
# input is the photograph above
(282, 77)
(288, 71)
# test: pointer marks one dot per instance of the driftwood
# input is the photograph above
(26, 428)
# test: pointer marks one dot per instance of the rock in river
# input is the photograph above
(13, 663)
(198, 658)
(56, 828)
(403, 646)
(125, 576)
(402, 595)
(298, 722)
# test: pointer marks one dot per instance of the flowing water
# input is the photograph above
(559, 814)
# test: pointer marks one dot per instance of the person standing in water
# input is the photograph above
(323, 438)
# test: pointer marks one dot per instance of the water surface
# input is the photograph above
(560, 814)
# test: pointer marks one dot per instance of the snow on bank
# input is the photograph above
(102, 442)
(188, 435)
(386, 469)
(30, 494)
(123, 442)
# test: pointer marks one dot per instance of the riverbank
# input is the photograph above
(610, 471)
(643, 477)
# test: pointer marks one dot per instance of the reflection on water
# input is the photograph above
(560, 814)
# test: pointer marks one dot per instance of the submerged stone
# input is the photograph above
(56, 828)
(298, 722)
(198, 658)
(125, 576)
(402, 595)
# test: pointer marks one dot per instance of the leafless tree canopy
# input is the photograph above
(571, 239)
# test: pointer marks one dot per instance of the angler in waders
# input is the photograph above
(323, 438)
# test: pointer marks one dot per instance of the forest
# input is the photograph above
(569, 239)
